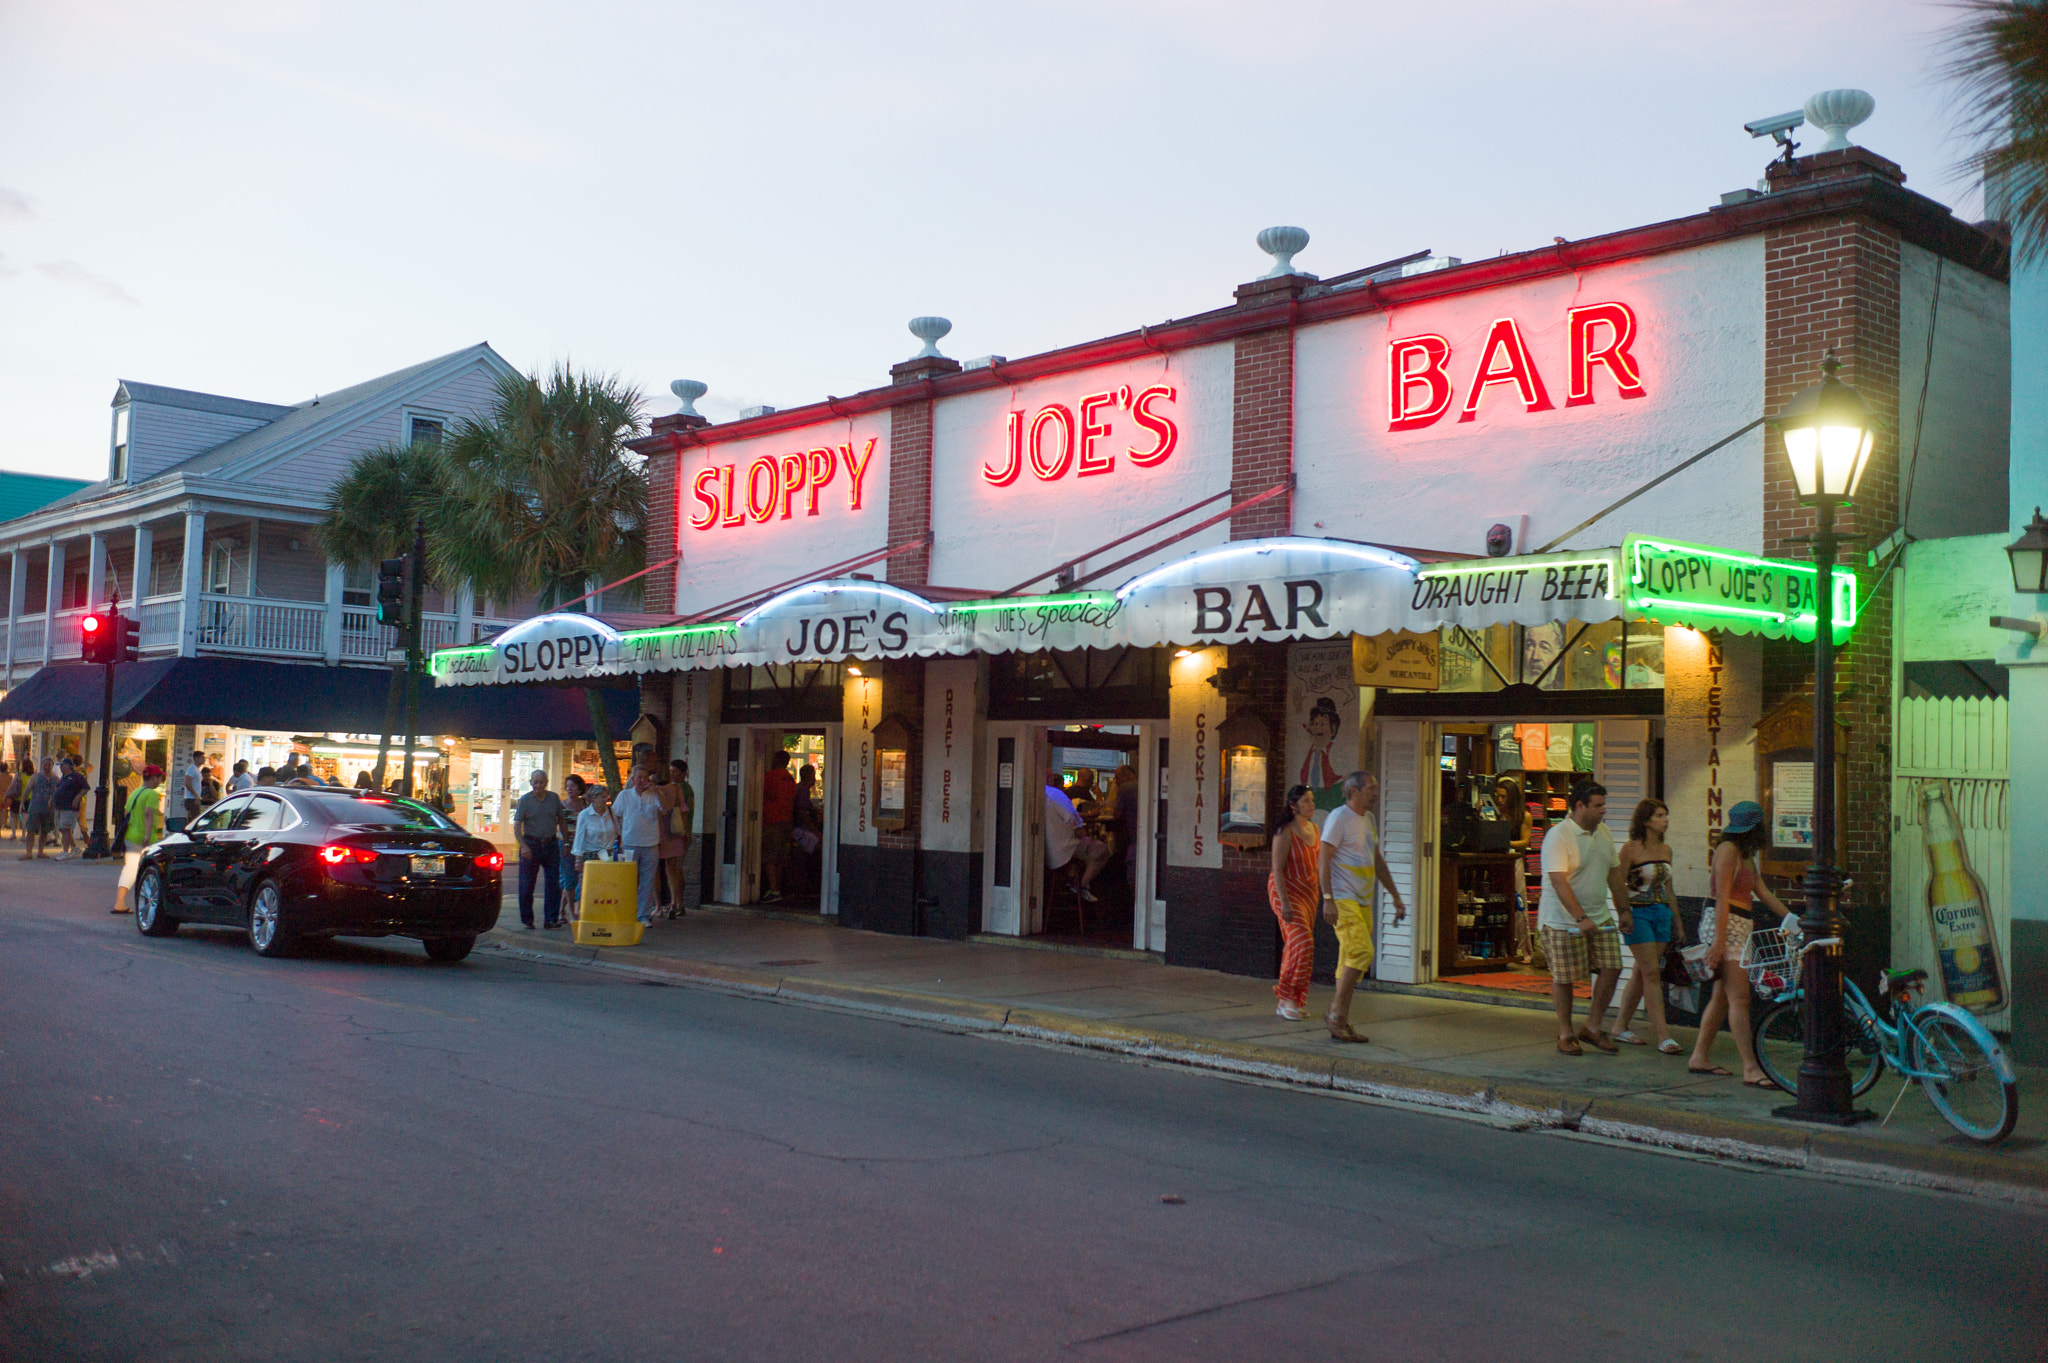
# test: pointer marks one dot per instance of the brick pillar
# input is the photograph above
(1833, 283)
(658, 588)
(910, 469)
(1262, 416)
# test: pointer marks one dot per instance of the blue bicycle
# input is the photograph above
(1960, 1065)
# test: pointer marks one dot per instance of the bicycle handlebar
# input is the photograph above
(1819, 942)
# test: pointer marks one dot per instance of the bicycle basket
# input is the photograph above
(1772, 959)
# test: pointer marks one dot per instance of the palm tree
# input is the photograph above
(546, 499)
(373, 513)
(1998, 57)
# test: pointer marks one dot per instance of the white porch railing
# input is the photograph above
(268, 627)
(159, 619)
(363, 637)
(65, 643)
(28, 639)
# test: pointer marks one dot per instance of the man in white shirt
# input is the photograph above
(1347, 862)
(195, 773)
(1064, 840)
(241, 780)
(639, 812)
(1583, 889)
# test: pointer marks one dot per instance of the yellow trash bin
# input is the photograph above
(608, 914)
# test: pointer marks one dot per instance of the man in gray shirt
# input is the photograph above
(537, 822)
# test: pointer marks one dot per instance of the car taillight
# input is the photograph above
(491, 861)
(334, 854)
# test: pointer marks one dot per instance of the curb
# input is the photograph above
(1527, 1106)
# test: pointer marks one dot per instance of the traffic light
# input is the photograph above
(391, 592)
(127, 639)
(95, 638)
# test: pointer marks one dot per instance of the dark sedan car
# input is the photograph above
(290, 863)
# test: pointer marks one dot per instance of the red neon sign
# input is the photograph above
(769, 487)
(1420, 389)
(1054, 442)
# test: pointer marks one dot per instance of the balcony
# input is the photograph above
(246, 625)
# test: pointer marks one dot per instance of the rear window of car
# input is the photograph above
(383, 813)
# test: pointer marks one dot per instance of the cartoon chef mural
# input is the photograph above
(1322, 719)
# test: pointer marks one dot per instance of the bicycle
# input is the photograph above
(1960, 1065)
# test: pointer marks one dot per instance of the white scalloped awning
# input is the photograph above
(1253, 590)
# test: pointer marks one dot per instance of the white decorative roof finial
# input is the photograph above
(689, 390)
(1281, 243)
(929, 330)
(1834, 112)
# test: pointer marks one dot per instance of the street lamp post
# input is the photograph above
(1828, 437)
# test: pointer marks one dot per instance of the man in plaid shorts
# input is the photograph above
(1583, 890)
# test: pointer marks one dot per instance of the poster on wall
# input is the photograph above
(1792, 805)
(1322, 719)
(1403, 658)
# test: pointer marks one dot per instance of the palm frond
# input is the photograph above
(1998, 60)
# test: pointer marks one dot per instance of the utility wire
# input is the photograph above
(1664, 477)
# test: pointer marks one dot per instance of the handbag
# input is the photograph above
(1697, 971)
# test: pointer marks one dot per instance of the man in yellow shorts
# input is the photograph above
(1349, 859)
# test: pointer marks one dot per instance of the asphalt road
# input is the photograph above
(205, 1155)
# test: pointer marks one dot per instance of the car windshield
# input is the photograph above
(383, 811)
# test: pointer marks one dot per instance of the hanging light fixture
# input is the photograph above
(1828, 437)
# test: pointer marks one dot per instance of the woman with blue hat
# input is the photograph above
(1724, 931)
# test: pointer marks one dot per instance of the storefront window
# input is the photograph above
(1558, 656)
(784, 691)
(1089, 683)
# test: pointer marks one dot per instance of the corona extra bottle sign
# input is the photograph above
(1964, 940)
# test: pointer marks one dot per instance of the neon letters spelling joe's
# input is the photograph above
(1419, 390)
(772, 485)
(1056, 440)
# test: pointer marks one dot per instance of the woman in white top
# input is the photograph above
(597, 830)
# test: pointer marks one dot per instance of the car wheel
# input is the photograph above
(150, 915)
(268, 931)
(449, 948)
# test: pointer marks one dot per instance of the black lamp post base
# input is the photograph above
(95, 848)
(1795, 1113)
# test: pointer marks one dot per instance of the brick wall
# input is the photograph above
(658, 588)
(903, 697)
(1833, 283)
(910, 490)
(1262, 432)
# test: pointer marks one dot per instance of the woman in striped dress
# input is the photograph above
(1294, 892)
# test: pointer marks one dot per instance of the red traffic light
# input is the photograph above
(91, 624)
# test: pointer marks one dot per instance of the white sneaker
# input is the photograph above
(1290, 1012)
(1088, 895)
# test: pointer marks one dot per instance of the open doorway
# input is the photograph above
(778, 807)
(1093, 882)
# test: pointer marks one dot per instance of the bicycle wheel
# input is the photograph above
(1781, 1047)
(1967, 1084)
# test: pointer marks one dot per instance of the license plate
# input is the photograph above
(429, 866)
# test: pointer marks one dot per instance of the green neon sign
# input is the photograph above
(443, 659)
(1685, 584)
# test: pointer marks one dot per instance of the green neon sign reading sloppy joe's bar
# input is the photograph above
(1708, 588)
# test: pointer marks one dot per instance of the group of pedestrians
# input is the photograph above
(648, 823)
(46, 804)
(1596, 898)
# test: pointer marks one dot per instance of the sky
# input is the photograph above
(275, 198)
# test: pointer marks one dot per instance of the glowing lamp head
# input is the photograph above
(1828, 434)
(2029, 557)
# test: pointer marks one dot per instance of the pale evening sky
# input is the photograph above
(273, 198)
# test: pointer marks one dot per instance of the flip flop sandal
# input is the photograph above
(1714, 1071)
(1567, 1046)
(1669, 1047)
(1763, 1083)
(1627, 1038)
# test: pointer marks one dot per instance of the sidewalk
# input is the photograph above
(1423, 1049)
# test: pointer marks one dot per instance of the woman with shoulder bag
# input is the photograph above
(1724, 931)
(1653, 907)
(1295, 892)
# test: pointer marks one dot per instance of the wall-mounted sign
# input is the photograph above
(774, 487)
(1402, 658)
(1082, 439)
(1421, 387)
(1707, 588)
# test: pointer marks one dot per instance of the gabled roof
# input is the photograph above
(157, 394)
(285, 426)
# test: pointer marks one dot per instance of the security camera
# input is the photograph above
(1778, 127)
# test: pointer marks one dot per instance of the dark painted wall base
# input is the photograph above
(2029, 976)
(952, 891)
(1219, 920)
(878, 889)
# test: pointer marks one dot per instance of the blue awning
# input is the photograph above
(242, 693)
